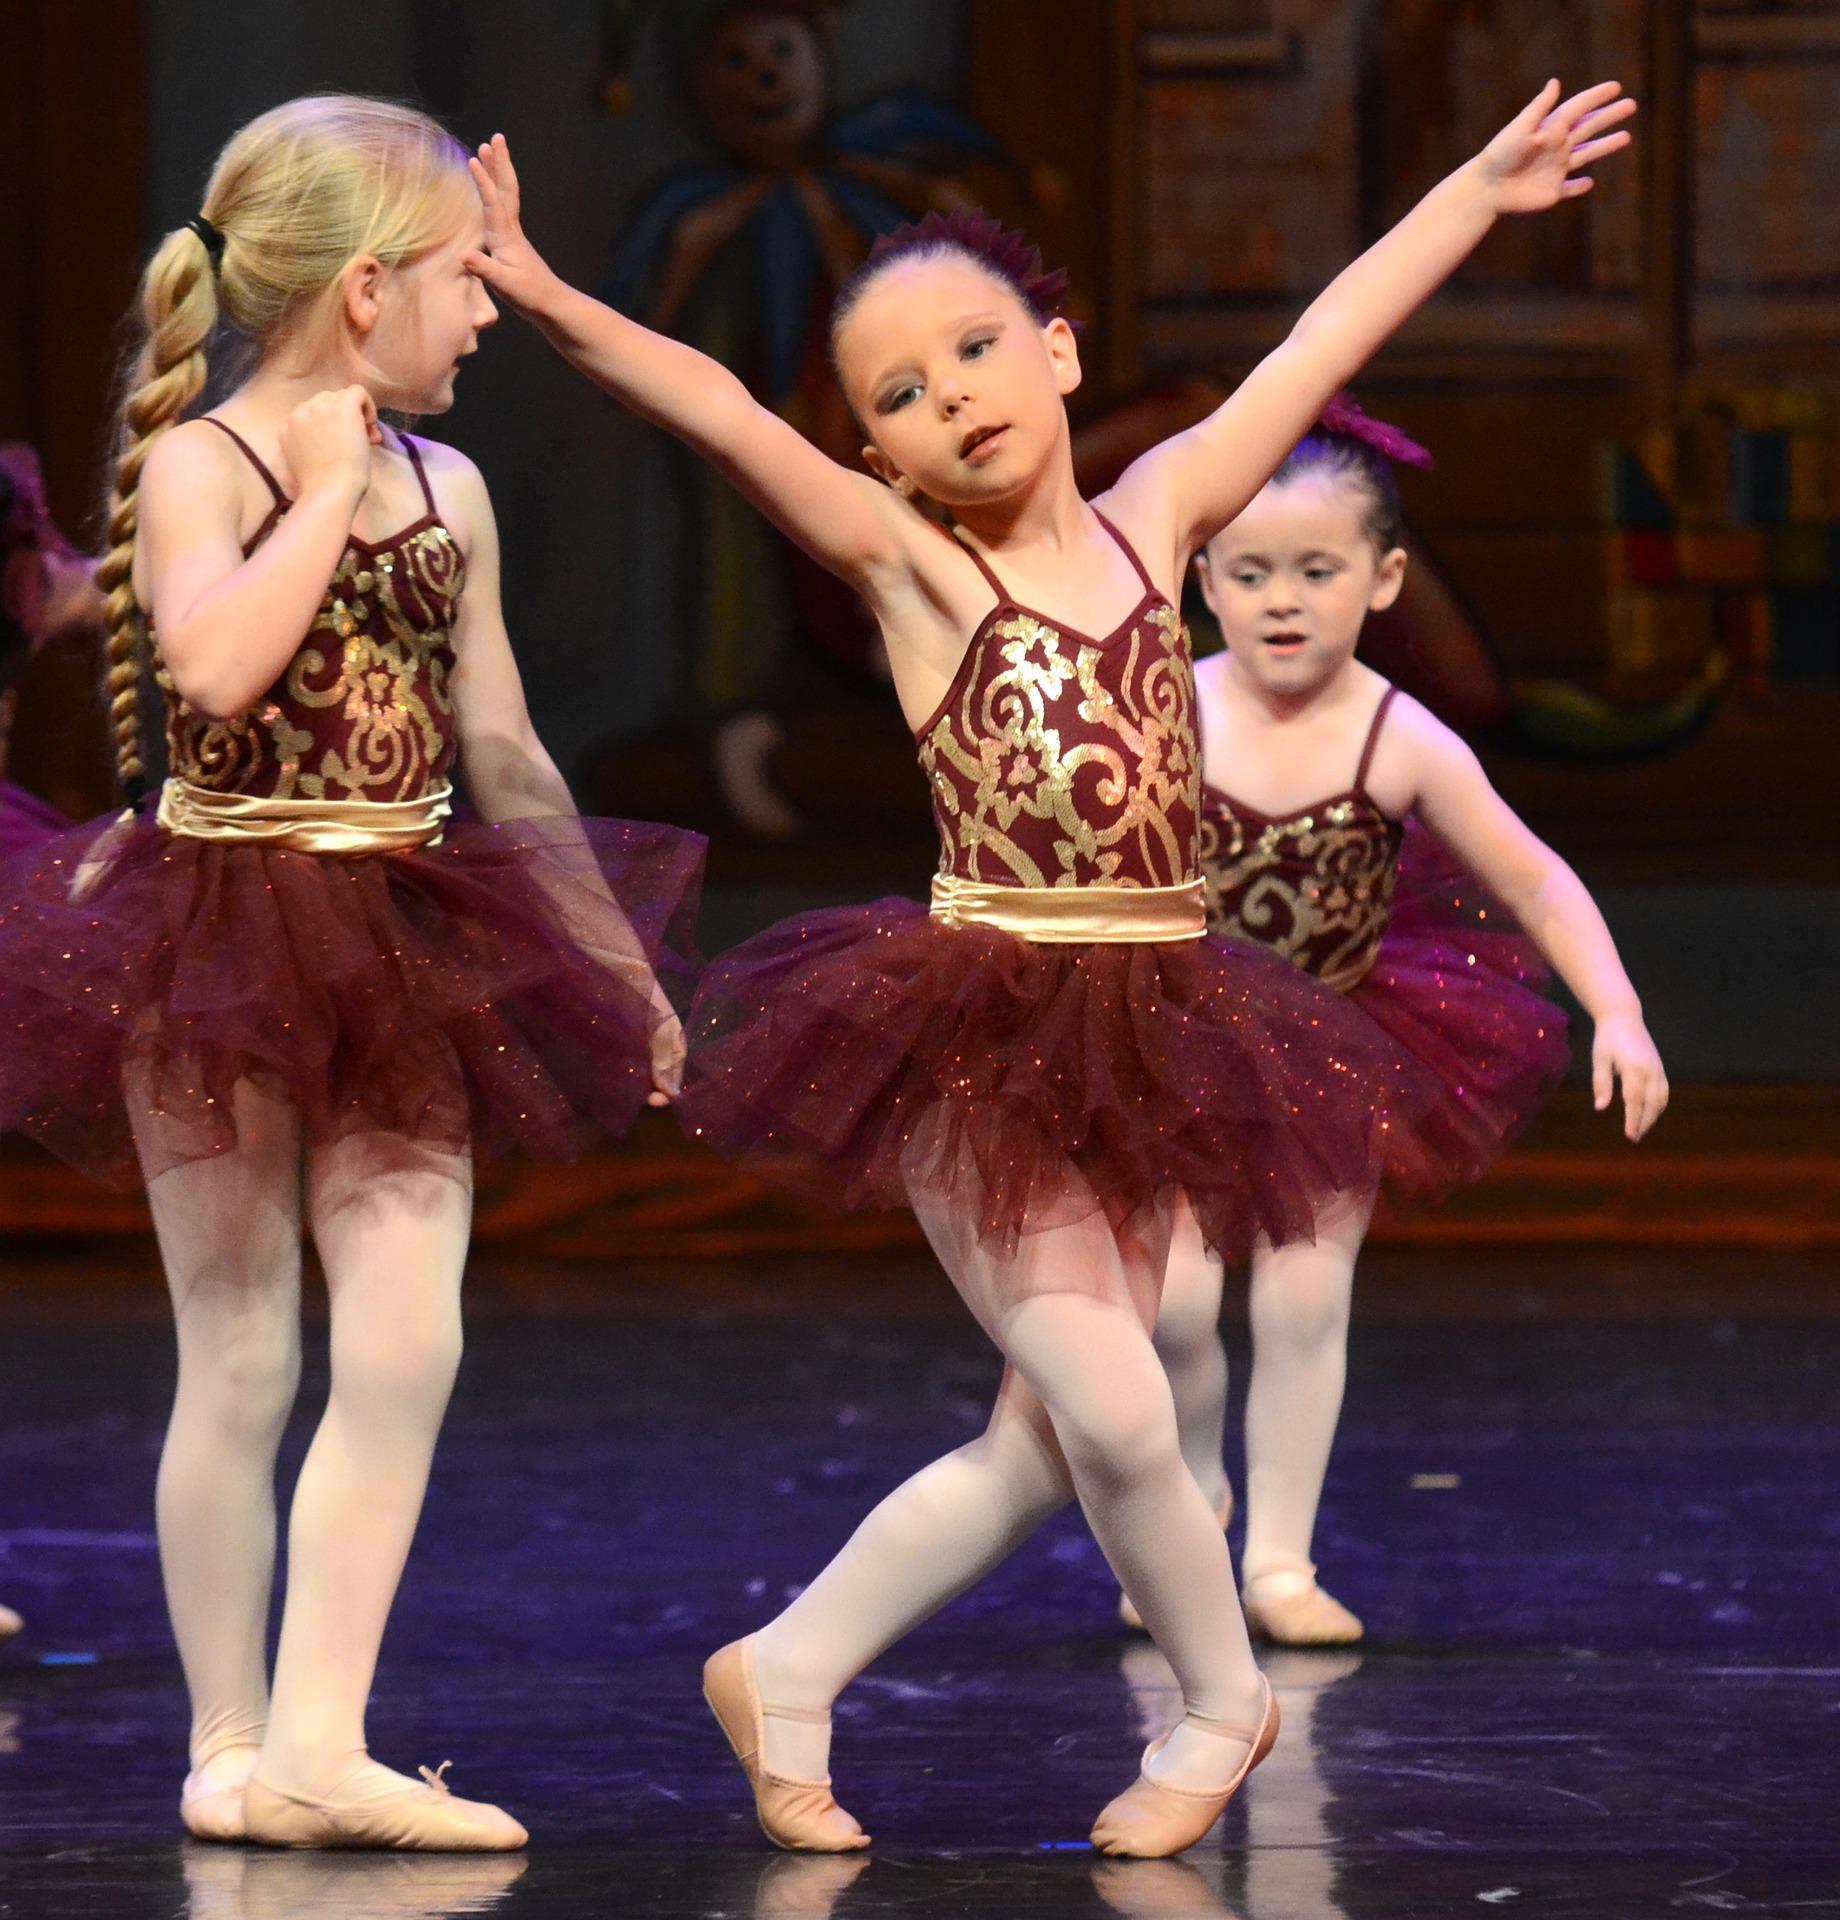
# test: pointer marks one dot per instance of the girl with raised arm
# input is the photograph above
(1052, 1059)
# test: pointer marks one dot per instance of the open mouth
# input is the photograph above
(980, 443)
(1285, 643)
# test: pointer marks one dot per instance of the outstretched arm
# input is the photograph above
(1198, 481)
(511, 776)
(846, 521)
(1456, 801)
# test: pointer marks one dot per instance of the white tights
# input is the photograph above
(1084, 1411)
(1299, 1311)
(390, 1219)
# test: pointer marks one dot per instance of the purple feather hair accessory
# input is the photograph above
(983, 238)
(1344, 418)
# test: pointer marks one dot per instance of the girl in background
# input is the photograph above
(1352, 880)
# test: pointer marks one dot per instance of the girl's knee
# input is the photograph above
(402, 1366)
(248, 1372)
(1121, 1444)
(1300, 1308)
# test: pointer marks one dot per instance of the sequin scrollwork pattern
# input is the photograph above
(1062, 763)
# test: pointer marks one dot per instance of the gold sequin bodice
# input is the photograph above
(1315, 886)
(1058, 760)
(364, 709)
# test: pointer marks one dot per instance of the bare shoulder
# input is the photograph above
(1211, 673)
(439, 458)
(1411, 727)
(195, 455)
(1138, 506)
(459, 490)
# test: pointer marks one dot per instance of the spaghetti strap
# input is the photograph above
(1130, 552)
(1373, 740)
(421, 472)
(249, 454)
(984, 567)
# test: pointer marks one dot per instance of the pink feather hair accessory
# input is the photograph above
(1344, 418)
(983, 237)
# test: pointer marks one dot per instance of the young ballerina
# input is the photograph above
(304, 995)
(1043, 1061)
(1339, 877)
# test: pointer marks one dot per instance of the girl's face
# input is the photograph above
(962, 391)
(1292, 580)
(419, 320)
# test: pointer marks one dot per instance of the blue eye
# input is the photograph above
(900, 398)
(1319, 573)
(976, 349)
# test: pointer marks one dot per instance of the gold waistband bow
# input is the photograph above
(305, 826)
(1074, 915)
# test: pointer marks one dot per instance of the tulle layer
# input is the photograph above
(26, 821)
(475, 992)
(852, 1053)
(1461, 992)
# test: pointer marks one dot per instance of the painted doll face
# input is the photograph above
(1293, 579)
(760, 80)
(961, 389)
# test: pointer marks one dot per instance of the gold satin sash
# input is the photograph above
(1074, 915)
(305, 826)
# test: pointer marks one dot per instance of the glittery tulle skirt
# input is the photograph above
(475, 992)
(858, 1053)
(1461, 993)
(25, 821)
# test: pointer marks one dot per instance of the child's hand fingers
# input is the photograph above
(1574, 110)
(1536, 109)
(1596, 149)
(1604, 119)
(1603, 1079)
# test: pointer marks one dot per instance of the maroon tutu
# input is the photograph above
(26, 821)
(1050, 1080)
(1461, 992)
(445, 994)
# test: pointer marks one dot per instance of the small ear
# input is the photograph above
(1064, 354)
(1204, 576)
(887, 472)
(1388, 580)
(362, 285)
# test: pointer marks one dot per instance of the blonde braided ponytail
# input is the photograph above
(178, 303)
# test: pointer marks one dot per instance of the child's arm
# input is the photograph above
(1456, 801)
(511, 776)
(229, 625)
(1198, 481)
(846, 521)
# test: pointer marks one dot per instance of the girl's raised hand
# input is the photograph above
(1534, 161)
(1621, 1050)
(327, 441)
(508, 263)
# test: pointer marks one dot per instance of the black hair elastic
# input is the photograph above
(212, 237)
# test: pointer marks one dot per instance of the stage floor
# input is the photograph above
(1599, 1556)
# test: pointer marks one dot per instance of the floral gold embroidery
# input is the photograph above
(1316, 888)
(1068, 766)
(363, 710)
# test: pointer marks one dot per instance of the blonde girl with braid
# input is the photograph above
(293, 993)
